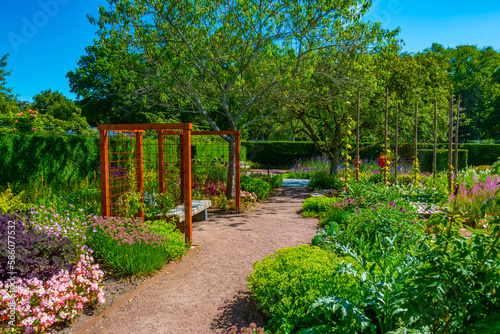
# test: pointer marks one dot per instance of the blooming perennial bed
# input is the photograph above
(38, 304)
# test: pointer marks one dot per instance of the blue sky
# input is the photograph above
(45, 38)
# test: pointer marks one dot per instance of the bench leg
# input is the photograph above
(200, 216)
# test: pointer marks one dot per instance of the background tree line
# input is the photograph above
(274, 70)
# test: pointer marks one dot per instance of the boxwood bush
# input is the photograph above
(260, 187)
(317, 206)
(287, 283)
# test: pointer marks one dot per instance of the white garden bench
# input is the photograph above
(198, 210)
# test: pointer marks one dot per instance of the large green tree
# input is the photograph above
(326, 102)
(227, 61)
(9, 103)
(474, 73)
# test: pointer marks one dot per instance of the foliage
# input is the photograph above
(471, 200)
(317, 206)
(370, 194)
(130, 246)
(275, 181)
(286, 284)
(10, 202)
(367, 225)
(473, 73)
(426, 160)
(323, 180)
(40, 304)
(482, 154)
(9, 103)
(56, 159)
(455, 288)
(70, 223)
(255, 185)
(36, 254)
(339, 212)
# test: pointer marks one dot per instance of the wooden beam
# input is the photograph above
(450, 136)
(456, 138)
(140, 169)
(237, 171)
(434, 168)
(103, 153)
(396, 144)
(136, 127)
(357, 138)
(186, 176)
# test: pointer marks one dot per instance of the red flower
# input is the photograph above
(381, 160)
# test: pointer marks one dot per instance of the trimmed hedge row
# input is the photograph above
(426, 159)
(63, 158)
(59, 158)
(283, 153)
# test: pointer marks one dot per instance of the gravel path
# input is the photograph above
(206, 292)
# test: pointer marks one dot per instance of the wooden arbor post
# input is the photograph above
(186, 182)
(103, 146)
(357, 139)
(140, 169)
(434, 168)
(386, 167)
(450, 139)
(237, 170)
(396, 145)
(456, 138)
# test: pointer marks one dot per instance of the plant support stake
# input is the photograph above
(456, 138)
(450, 138)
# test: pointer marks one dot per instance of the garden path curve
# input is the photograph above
(206, 291)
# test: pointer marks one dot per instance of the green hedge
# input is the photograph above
(482, 154)
(278, 153)
(426, 159)
(206, 152)
(60, 158)
(283, 153)
(63, 158)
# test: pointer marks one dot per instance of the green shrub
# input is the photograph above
(317, 206)
(385, 219)
(287, 283)
(255, 185)
(481, 154)
(132, 247)
(426, 160)
(339, 213)
(275, 181)
(323, 180)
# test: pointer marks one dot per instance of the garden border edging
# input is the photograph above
(94, 320)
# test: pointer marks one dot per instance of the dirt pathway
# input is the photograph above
(206, 292)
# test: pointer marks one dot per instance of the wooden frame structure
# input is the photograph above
(181, 162)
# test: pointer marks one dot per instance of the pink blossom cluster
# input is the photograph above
(47, 221)
(127, 231)
(472, 198)
(247, 196)
(41, 304)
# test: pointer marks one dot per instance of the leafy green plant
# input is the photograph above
(132, 247)
(455, 287)
(255, 185)
(317, 206)
(323, 180)
(287, 283)
(10, 202)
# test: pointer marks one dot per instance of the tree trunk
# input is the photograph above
(231, 170)
(334, 161)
